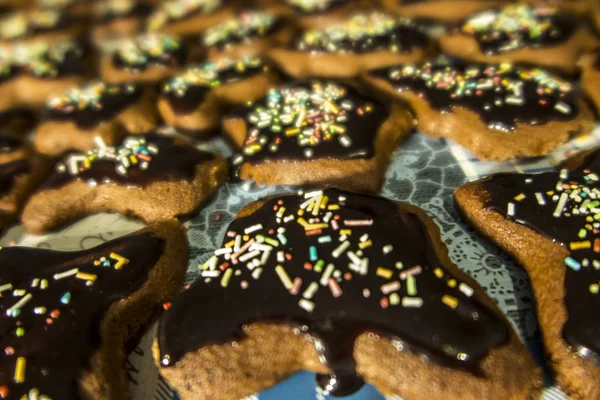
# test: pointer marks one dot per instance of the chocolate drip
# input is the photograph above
(532, 96)
(8, 173)
(187, 100)
(111, 104)
(532, 32)
(582, 329)
(61, 322)
(438, 317)
(173, 162)
(9, 143)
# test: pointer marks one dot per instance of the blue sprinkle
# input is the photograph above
(572, 263)
(324, 239)
(313, 253)
(66, 298)
(282, 238)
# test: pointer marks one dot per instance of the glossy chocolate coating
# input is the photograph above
(212, 312)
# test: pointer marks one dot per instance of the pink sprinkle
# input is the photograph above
(358, 222)
(416, 270)
(296, 286)
(334, 225)
(230, 234)
(384, 302)
(336, 290)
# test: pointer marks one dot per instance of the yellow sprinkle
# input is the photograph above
(285, 278)
(594, 288)
(452, 283)
(119, 259)
(133, 159)
(301, 212)
(324, 202)
(384, 272)
(333, 207)
(347, 232)
(20, 370)
(438, 272)
(586, 244)
(246, 238)
(366, 244)
(310, 227)
(450, 301)
(520, 197)
(292, 131)
(86, 276)
(230, 244)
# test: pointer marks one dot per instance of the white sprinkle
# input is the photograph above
(19, 304)
(256, 273)
(340, 249)
(412, 302)
(35, 282)
(265, 257)
(210, 274)
(562, 107)
(466, 289)
(511, 209)
(306, 304)
(249, 255)
(364, 237)
(564, 174)
(390, 287)
(364, 266)
(280, 257)
(540, 199)
(353, 257)
(560, 205)
(326, 274)
(253, 228)
(310, 290)
(66, 274)
(387, 249)
(224, 250)
(237, 244)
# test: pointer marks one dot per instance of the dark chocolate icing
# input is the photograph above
(8, 173)
(91, 104)
(575, 223)
(357, 289)
(170, 162)
(366, 33)
(187, 90)
(520, 26)
(502, 95)
(320, 120)
(9, 143)
(61, 322)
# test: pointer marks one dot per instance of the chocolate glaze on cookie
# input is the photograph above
(52, 305)
(145, 51)
(311, 120)
(520, 26)
(365, 33)
(246, 27)
(139, 161)
(563, 206)
(187, 90)
(334, 264)
(502, 95)
(8, 173)
(93, 103)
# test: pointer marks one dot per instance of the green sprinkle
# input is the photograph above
(66, 298)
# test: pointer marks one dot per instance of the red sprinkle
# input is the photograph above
(314, 232)
(166, 306)
(224, 266)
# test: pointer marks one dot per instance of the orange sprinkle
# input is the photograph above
(596, 245)
(166, 306)
(280, 202)
(3, 392)
(384, 302)
(314, 232)
(288, 256)
(55, 314)
(347, 276)
(224, 266)
(49, 321)
(271, 231)
(275, 207)
(218, 217)
(308, 266)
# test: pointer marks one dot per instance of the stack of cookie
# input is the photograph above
(103, 105)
